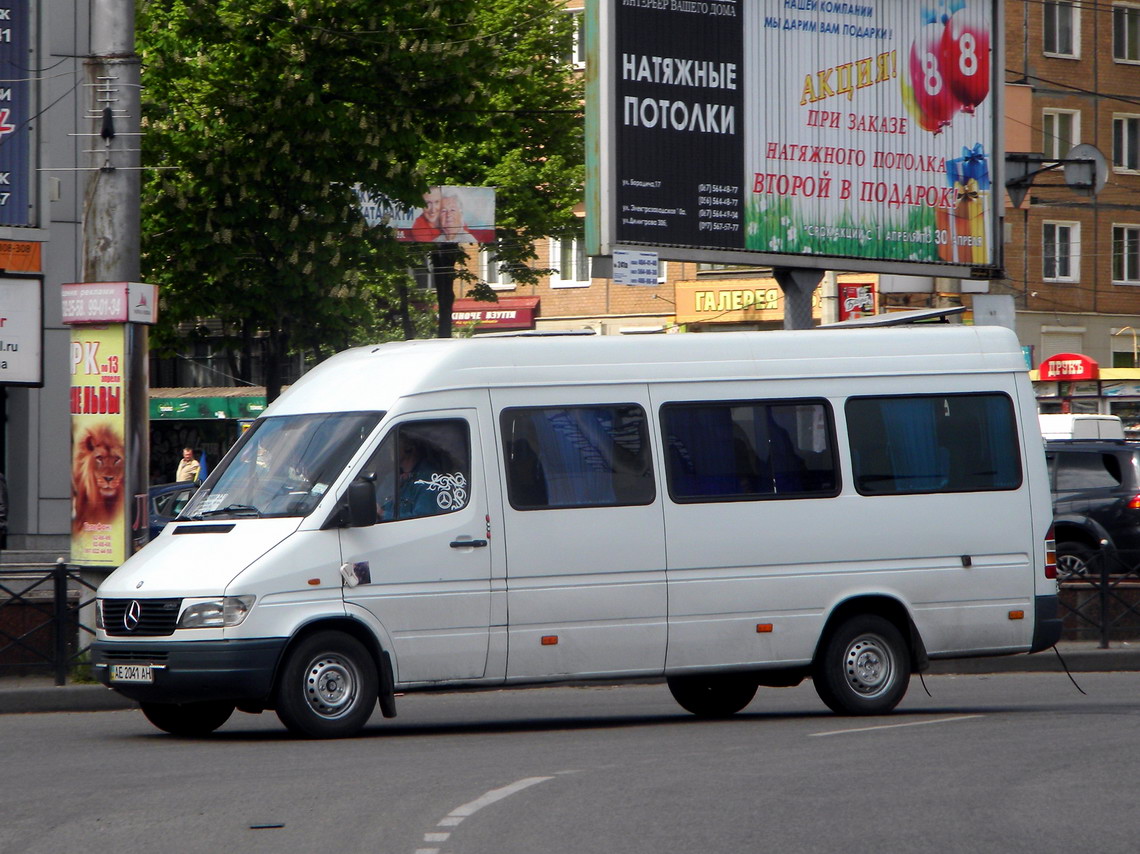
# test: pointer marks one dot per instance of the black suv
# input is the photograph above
(1096, 504)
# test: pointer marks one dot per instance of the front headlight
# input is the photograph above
(225, 612)
(98, 613)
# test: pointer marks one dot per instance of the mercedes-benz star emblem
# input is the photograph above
(132, 616)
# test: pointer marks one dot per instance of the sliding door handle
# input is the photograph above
(468, 544)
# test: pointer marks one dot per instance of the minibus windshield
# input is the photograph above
(282, 466)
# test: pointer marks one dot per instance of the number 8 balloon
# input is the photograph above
(933, 95)
(966, 58)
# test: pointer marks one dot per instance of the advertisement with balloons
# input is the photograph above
(804, 131)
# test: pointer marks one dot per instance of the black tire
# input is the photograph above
(1074, 560)
(863, 667)
(712, 695)
(188, 720)
(328, 687)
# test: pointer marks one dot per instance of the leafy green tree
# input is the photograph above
(263, 114)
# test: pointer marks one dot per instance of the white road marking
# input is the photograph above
(494, 795)
(896, 726)
(457, 815)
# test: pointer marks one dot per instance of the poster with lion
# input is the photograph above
(99, 503)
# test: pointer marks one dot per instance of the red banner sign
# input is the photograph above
(1069, 367)
(507, 313)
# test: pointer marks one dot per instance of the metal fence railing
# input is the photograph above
(41, 625)
(1103, 603)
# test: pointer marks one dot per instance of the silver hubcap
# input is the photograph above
(869, 666)
(331, 685)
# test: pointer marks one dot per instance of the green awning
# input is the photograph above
(206, 403)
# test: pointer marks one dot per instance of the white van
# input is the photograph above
(724, 511)
(1081, 426)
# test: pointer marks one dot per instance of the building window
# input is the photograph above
(570, 263)
(494, 272)
(1126, 254)
(577, 56)
(1061, 251)
(1125, 345)
(1126, 143)
(1061, 130)
(1126, 33)
(1060, 28)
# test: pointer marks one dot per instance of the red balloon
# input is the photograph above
(932, 93)
(966, 57)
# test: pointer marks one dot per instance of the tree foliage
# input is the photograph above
(263, 115)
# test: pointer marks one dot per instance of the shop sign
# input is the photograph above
(507, 313)
(757, 300)
(1069, 367)
(109, 302)
(856, 301)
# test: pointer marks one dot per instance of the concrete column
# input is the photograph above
(798, 285)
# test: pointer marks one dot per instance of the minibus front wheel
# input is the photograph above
(327, 687)
(862, 667)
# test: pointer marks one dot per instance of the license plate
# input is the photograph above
(132, 673)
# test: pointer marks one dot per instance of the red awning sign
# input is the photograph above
(1069, 367)
(507, 313)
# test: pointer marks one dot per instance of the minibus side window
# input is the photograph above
(933, 443)
(422, 468)
(749, 450)
(577, 456)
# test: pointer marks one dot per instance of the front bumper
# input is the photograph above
(240, 671)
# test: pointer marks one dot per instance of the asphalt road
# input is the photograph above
(1000, 762)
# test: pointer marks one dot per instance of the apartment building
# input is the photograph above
(1072, 261)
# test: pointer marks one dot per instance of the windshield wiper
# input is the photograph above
(235, 509)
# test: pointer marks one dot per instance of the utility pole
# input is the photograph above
(113, 358)
(111, 213)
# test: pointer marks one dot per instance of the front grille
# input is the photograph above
(156, 617)
(137, 656)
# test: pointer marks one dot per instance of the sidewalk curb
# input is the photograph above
(37, 694)
(40, 697)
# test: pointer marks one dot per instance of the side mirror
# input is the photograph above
(361, 503)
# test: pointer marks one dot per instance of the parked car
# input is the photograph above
(166, 502)
(1096, 504)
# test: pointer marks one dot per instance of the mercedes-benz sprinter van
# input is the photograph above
(720, 511)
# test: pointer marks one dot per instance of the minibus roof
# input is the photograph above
(375, 377)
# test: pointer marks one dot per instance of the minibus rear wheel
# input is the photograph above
(863, 667)
(188, 720)
(712, 695)
(327, 687)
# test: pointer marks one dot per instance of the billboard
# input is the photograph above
(99, 464)
(798, 133)
(15, 114)
(21, 331)
(448, 215)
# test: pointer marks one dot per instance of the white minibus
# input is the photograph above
(720, 511)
